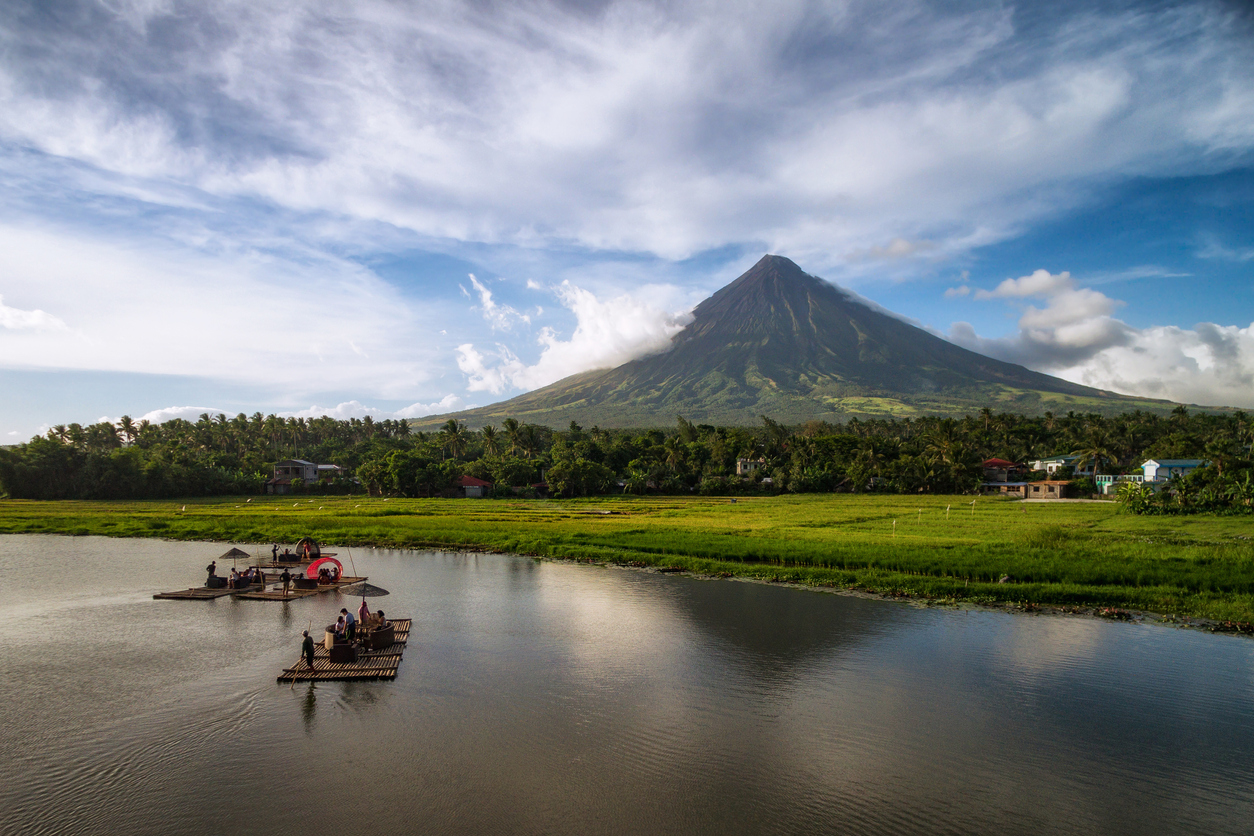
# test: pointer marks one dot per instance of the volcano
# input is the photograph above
(782, 343)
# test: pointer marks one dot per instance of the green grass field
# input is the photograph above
(1081, 555)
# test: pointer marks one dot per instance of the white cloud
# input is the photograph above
(1040, 283)
(15, 319)
(607, 334)
(169, 413)
(895, 249)
(1214, 249)
(295, 323)
(1074, 336)
(955, 292)
(356, 409)
(500, 317)
(817, 130)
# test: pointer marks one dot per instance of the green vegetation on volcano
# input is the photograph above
(783, 343)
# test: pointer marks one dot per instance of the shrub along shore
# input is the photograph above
(1085, 555)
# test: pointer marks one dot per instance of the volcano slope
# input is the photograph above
(782, 343)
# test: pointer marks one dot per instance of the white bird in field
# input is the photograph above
(184, 507)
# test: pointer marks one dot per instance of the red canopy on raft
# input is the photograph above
(327, 562)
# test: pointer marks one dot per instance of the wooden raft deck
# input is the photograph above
(198, 593)
(276, 593)
(370, 664)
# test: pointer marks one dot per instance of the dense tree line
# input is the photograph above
(221, 455)
(213, 456)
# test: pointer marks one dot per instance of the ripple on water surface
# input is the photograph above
(557, 698)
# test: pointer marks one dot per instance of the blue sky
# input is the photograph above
(358, 208)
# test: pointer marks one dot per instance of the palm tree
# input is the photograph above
(454, 437)
(528, 440)
(943, 441)
(127, 427)
(491, 440)
(60, 433)
(1096, 449)
(512, 431)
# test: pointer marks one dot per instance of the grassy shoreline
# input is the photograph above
(933, 548)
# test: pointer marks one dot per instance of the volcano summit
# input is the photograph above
(782, 343)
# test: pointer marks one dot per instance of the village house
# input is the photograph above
(1162, 470)
(1154, 472)
(308, 472)
(1055, 463)
(473, 488)
(1000, 470)
(1048, 489)
(747, 467)
(1004, 478)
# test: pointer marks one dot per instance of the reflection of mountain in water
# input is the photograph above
(778, 630)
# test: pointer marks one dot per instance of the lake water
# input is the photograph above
(560, 698)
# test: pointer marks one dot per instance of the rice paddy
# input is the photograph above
(937, 548)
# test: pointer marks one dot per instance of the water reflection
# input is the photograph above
(309, 707)
(555, 698)
(776, 631)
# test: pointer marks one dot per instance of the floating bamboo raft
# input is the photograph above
(199, 593)
(370, 664)
(275, 593)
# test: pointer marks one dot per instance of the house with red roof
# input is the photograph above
(1004, 477)
(473, 488)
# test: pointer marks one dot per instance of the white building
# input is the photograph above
(1160, 470)
(1155, 473)
(1052, 464)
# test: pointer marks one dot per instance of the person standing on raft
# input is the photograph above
(307, 647)
(274, 552)
(286, 577)
(212, 569)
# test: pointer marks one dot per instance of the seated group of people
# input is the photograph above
(248, 577)
(328, 575)
(347, 625)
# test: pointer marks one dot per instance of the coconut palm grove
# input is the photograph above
(218, 455)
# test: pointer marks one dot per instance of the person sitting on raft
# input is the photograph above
(233, 580)
(339, 628)
(380, 621)
(324, 576)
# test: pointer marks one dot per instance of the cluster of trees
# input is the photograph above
(1213, 490)
(213, 456)
(913, 455)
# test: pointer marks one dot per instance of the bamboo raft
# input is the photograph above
(276, 593)
(370, 664)
(198, 593)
